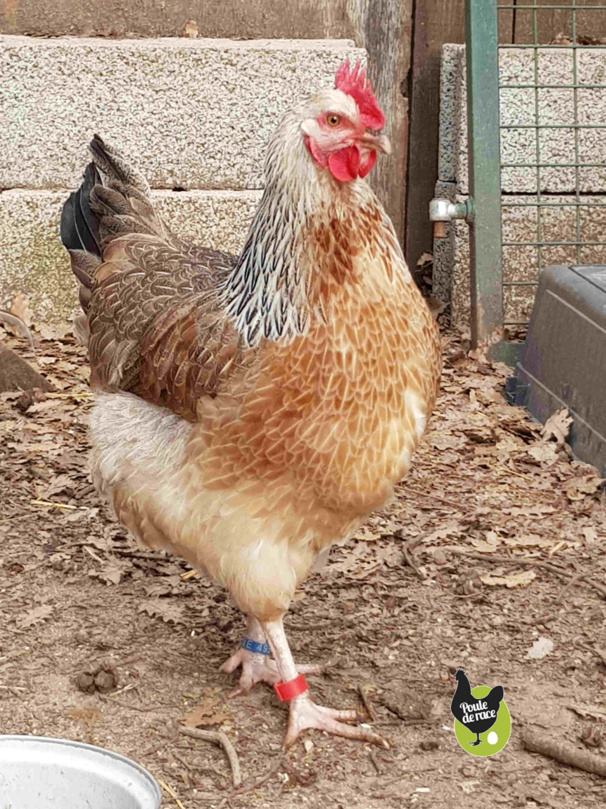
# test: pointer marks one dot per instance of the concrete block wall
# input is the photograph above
(557, 185)
(194, 114)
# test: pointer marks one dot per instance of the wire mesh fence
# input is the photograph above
(552, 78)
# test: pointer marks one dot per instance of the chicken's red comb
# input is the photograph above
(353, 82)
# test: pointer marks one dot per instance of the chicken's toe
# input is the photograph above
(306, 715)
(256, 668)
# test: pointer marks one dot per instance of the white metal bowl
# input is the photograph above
(40, 773)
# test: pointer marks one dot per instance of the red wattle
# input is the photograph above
(367, 163)
(344, 165)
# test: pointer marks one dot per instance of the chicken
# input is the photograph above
(250, 412)
(477, 714)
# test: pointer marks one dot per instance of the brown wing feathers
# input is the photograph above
(156, 326)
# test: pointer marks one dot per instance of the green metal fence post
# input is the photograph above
(484, 170)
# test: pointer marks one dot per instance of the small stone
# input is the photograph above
(85, 682)
(18, 375)
(105, 681)
(308, 745)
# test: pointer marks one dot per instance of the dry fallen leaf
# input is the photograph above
(207, 713)
(489, 545)
(557, 427)
(528, 541)
(424, 258)
(540, 649)
(20, 308)
(581, 487)
(111, 572)
(56, 331)
(544, 452)
(190, 29)
(35, 616)
(521, 579)
(446, 441)
(159, 608)
(87, 715)
(590, 535)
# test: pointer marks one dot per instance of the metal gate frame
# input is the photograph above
(485, 208)
(483, 126)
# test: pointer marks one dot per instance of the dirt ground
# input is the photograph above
(495, 541)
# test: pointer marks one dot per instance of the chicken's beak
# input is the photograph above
(379, 143)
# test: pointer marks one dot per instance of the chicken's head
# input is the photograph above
(341, 126)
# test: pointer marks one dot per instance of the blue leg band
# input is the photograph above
(253, 646)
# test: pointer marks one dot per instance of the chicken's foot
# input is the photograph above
(304, 713)
(257, 668)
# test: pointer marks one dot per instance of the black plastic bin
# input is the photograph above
(563, 362)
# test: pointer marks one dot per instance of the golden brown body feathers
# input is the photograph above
(254, 456)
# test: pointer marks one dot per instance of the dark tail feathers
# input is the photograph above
(113, 199)
(79, 225)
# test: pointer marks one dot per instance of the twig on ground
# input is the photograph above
(219, 738)
(375, 762)
(563, 752)
(107, 698)
(171, 792)
(575, 580)
(366, 702)
(17, 323)
(600, 653)
(431, 495)
(190, 574)
(126, 661)
(54, 505)
(91, 552)
(512, 560)
(71, 395)
(255, 785)
(150, 555)
(410, 561)
(123, 690)
(594, 713)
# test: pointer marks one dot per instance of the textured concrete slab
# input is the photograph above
(523, 107)
(310, 19)
(33, 260)
(196, 113)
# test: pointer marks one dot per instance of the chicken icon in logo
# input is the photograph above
(477, 713)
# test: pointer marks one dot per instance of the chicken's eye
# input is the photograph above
(332, 119)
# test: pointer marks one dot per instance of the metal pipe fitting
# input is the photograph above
(443, 210)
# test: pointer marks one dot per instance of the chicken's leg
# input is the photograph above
(304, 713)
(256, 667)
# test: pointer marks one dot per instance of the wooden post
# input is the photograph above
(384, 28)
(435, 23)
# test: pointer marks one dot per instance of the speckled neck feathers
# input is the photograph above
(268, 292)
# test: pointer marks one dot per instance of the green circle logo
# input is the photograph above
(482, 719)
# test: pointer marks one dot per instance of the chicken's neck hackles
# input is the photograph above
(268, 292)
